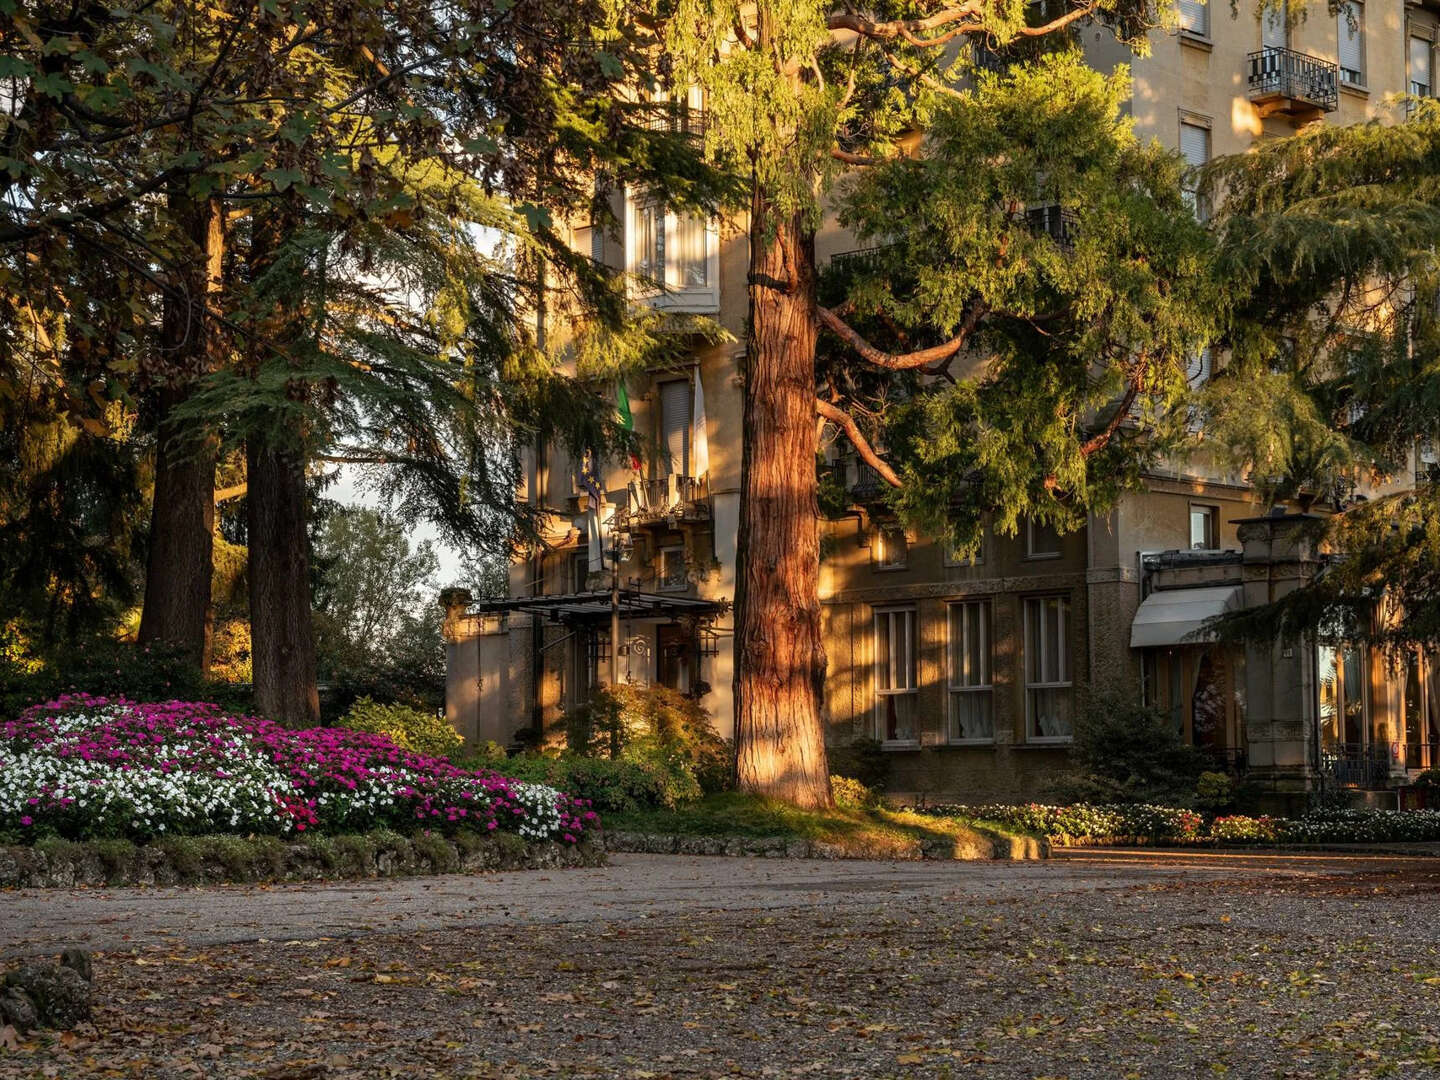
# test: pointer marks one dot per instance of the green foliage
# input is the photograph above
(377, 622)
(108, 668)
(1070, 323)
(1214, 791)
(861, 760)
(852, 795)
(653, 724)
(617, 786)
(410, 729)
(1125, 752)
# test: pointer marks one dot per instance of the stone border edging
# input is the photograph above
(217, 860)
(1000, 846)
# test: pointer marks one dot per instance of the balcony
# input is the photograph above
(668, 501)
(1284, 82)
(1054, 221)
(676, 119)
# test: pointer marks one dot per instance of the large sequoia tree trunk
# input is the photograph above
(281, 635)
(780, 660)
(177, 608)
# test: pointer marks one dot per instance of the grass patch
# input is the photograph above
(874, 831)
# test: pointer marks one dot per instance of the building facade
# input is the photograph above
(968, 672)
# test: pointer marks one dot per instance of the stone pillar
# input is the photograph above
(1281, 729)
(462, 662)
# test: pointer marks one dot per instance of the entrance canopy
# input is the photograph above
(1176, 616)
(593, 606)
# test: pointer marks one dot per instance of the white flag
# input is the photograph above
(594, 541)
(700, 463)
(599, 521)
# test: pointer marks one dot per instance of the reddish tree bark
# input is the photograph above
(177, 608)
(780, 659)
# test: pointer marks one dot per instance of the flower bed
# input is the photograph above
(1160, 824)
(83, 767)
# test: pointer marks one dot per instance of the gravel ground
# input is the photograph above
(1095, 965)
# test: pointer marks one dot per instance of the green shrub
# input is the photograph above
(851, 794)
(410, 729)
(1125, 752)
(611, 786)
(108, 668)
(655, 725)
(862, 760)
(1215, 791)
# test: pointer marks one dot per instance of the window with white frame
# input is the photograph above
(672, 255)
(891, 550)
(1204, 527)
(1195, 149)
(896, 684)
(1351, 24)
(1049, 693)
(1041, 540)
(1195, 17)
(972, 695)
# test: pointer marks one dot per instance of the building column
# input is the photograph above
(1280, 714)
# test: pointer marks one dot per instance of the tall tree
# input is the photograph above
(797, 92)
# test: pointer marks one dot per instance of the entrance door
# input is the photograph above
(676, 661)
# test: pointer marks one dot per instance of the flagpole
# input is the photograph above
(615, 614)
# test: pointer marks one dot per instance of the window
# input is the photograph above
(672, 255)
(1048, 702)
(1426, 461)
(1352, 42)
(891, 550)
(1341, 684)
(692, 269)
(1195, 17)
(673, 574)
(647, 232)
(579, 571)
(1422, 67)
(1041, 541)
(1204, 527)
(956, 557)
(895, 670)
(674, 433)
(972, 697)
(1195, 149)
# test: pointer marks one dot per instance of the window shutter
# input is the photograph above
(1352, 41)
(1194, 144)
(1420, 66)
(1195, 17)
(675, 426)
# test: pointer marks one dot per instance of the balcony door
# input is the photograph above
(674, 430)
(1275, 28)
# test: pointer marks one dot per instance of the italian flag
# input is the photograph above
(626, 418)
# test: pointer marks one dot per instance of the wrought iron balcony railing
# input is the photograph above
(675, 118)
(665, 497)
(1293, 81)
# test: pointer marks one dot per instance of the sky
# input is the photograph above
(350, 490)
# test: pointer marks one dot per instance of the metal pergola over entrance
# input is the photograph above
(601, 605)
